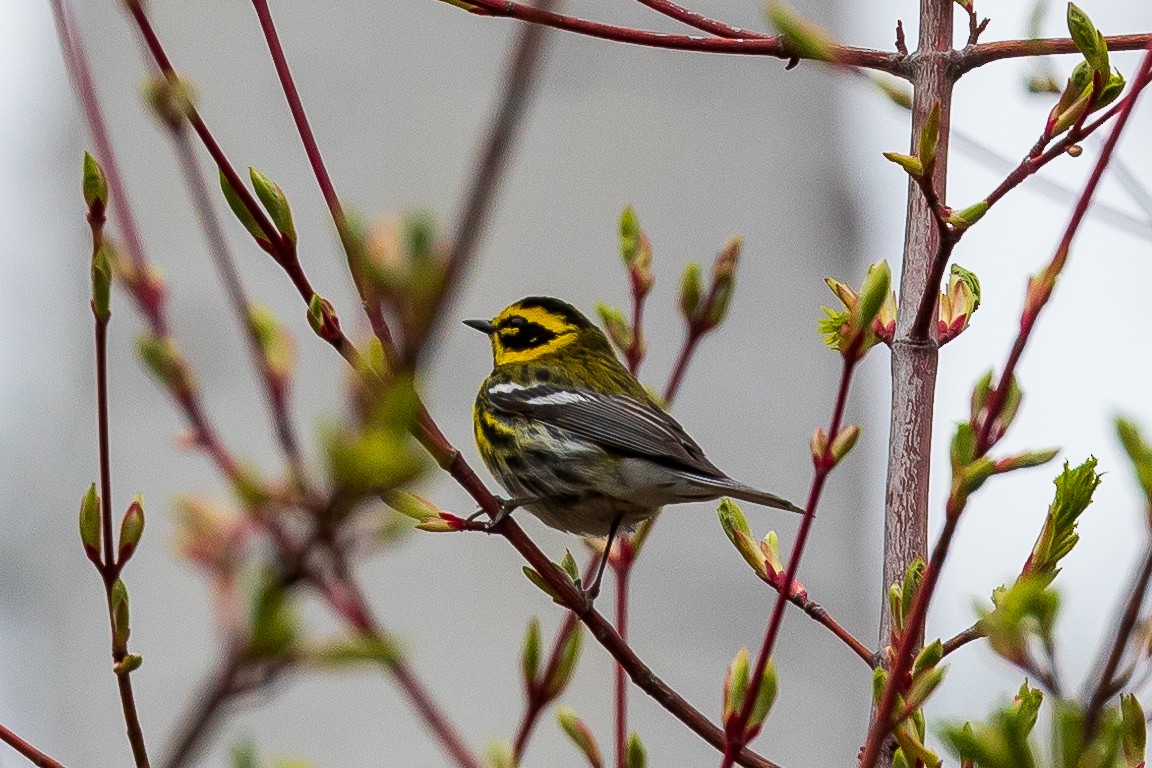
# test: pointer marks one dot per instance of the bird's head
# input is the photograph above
(538, 326)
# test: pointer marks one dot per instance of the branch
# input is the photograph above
(1040, 290)
(275, 387)
(736, 733)
(985, 53)
(35, 756)
(703, 23)
(820, 615)
(1105, 685)
(761, 45)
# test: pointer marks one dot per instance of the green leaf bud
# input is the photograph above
(844, 442)
(530, 653)
(911, 165)
(131, 529)
(1087, 39)
(616, 327)
(95, 186)
(557, 682)
(929, 657)
(162, 358)
(90, 524)
(690, 291)
(929, 138)
(636, 756)
(130, 663)
(1138, 452)
(581, 735)
(101, 284)
(873, 293)
(723, 282)
(736, 684)
(803, 38)
(966, 217)
(735, 526)
(121, 625)
(243, 215)
(765, 696)
(1133, 730)
(542, 584)
(275, 202)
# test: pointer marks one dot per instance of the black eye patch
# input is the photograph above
(517, 333)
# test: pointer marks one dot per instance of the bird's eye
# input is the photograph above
(515, 322)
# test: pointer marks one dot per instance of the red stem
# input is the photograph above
(691, 339)
(622, 574)
(914, 624)
(736, 732)
(757, 46)
(35, 756)
(985, 53)
(703, 23)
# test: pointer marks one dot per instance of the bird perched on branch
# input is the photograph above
(575, 438)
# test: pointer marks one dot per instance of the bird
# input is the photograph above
(576, 439)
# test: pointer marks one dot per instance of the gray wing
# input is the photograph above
(616, 422)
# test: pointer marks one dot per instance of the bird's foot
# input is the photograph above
(507, 506)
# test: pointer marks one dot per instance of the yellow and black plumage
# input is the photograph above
(575, 438)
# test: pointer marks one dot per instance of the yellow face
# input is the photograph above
(531, 328)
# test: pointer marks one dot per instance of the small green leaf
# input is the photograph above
(101, 283)
(629, 235)
(636, 755)
(131, 529)
(581, 735)
(805, 39)
(121, 624)
(873, 292)
(90, 524)
(736, 528)
(765, 697)
(530, 653)
(1088, 39)
(555, 684)
(929, 657)
(275, 202)
(243, 215)
(1133, 730)
(544, 586)
(963, 447)
(569, 566)
(723, 282)
(913, 576)
(1139, 453)
(736, 684)
(95, 183)
(912, 165)
(968, 216)
(930, 137)
(690, 290)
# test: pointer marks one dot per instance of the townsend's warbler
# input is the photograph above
(575, 438)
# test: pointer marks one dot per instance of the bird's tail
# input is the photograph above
(748, 493)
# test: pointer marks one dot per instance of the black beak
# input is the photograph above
(483, 326)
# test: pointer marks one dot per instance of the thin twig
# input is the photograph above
(986, 53)
(774, 46)
(962, 638)
(275, 389)
(736, 732)
(821, 616)
(1106, 679)
(703, 23)
(35, 756)
(1040, 290)
(110, 566)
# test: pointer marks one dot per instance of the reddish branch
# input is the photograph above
(761, 45)
(736, 732)
(703, 23)
(820, 615)
(986, 53)
(1040, 291)
(35, 756)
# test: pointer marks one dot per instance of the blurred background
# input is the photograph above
(704, 146)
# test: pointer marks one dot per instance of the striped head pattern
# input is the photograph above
(534, 327)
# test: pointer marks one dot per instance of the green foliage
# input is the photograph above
(635, 756)
(241, 212)
(555, 684)
(90, 523)
(275, 202)
(530, 653)
(1024, 612)
(1139, 453)
(1074, 489)
(735, 526)
(95, 185)
(580, 734)
(804, 38)
(273, 624)
(1002, 742)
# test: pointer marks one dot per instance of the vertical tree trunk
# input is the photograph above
(914, 364)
